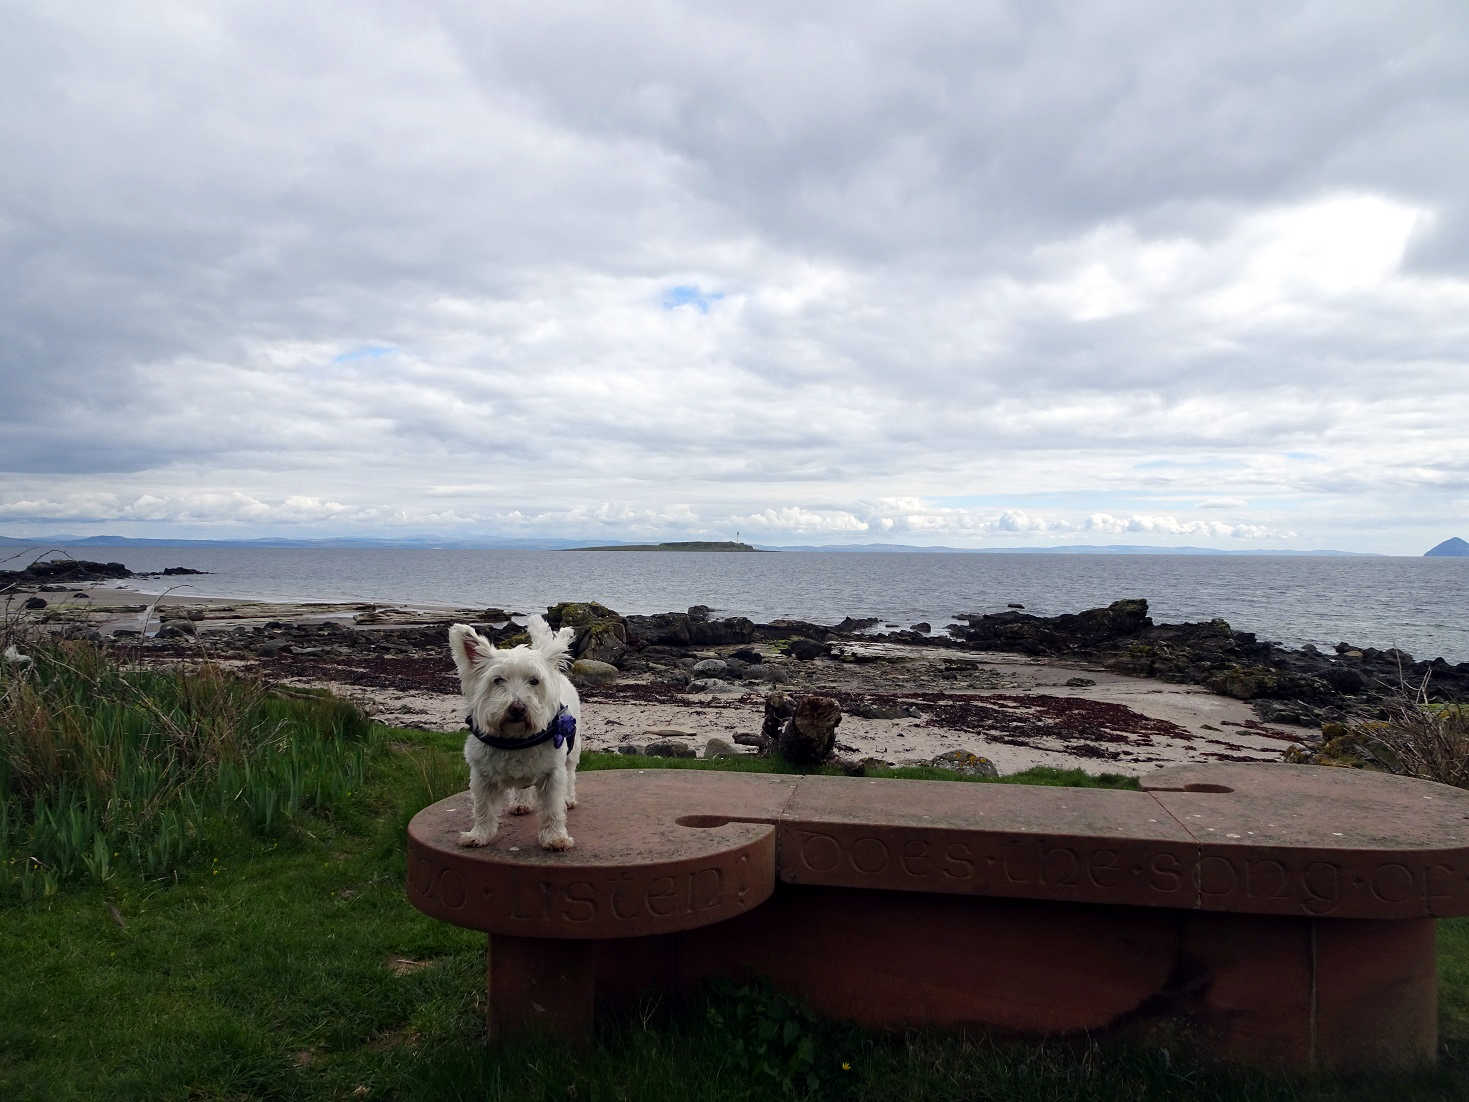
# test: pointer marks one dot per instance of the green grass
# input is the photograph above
(287, 964)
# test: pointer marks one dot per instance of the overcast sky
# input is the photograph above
(976, 274)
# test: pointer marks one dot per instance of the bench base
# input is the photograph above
(1302, 993)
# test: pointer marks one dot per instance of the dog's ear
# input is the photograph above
(469, 648)
(555, 647)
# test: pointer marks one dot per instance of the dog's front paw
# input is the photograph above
(475, 837)
(556, 839)
(570, 802)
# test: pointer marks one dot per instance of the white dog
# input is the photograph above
(522, 722)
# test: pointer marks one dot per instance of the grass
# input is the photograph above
(286, 963)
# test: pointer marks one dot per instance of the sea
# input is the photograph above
(1419, 605)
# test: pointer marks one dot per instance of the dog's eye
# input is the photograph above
(535, 680)
(499, 681)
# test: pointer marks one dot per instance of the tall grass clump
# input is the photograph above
(104, 767)
(1420, 739)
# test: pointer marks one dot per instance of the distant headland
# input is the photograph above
(694, 545)
(1453, 547)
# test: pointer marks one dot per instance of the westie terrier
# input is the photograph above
(522, 722)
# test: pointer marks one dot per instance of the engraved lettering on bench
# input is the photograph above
(1103, 869)
(819, 852)
(1165, 873)
(659, 891)
(868, 856)
(914, 859)
(706, 889)
(1069, 872)
(1322, 883)
(444, 884)
(581, 901)
(958, 864)
(1265, 878)
(1391, 882)
(1215, 874)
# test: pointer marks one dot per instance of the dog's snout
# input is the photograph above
(515, 711)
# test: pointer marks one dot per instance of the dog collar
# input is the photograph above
(561, 731)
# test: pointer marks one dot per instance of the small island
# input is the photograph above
(693, 545)
(1453, 547)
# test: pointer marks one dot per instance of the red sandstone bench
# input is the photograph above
(1286, 912)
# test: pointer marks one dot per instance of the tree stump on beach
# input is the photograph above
(809, 737)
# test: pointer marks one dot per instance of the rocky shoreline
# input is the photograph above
(1105, 688)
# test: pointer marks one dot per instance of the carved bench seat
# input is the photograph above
(1286, 912)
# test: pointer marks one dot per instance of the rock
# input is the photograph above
(603, 641)
(271, 648)
(765, 671)
(809, 737)
(712, 685)
(1079, 682)
(126, 633)
(1014, 604)
(177, 629)
(171, 571)
(711, 667)
(65, 570)
(591, 671)
(700, 614)
(34, 603)
(667, 748)
(748, 655)
(195, 614)
(719, 748)
(664, 628)
(924, 626)
(807, 649)
(81, 596)
(850, 624)
(629, 750)
(877, 709)
(756, 741)
(966, 764)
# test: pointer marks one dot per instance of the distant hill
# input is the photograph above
(694, 545)
(1453, 547)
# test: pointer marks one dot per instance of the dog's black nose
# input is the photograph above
(515, 711)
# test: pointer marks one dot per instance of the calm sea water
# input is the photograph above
(1418, 604)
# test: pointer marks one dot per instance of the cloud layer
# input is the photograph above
(973, 274)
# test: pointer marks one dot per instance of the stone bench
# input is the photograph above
(1285, 913)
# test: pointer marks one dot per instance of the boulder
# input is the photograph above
(966, 764)
(591, 671)
(35, 603)
(719, 748)
(807, 649)
(603, 641)
(712, 685)
(668, 748)
(710, 667)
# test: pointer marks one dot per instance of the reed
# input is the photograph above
(103, 765)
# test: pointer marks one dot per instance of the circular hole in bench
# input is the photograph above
(1207, 788)
(701, 821)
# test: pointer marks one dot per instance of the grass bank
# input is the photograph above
(280, 960)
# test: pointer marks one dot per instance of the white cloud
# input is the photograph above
(414, 269)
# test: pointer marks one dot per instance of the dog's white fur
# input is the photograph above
(515, 693)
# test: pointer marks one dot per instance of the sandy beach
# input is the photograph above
(902, 703)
